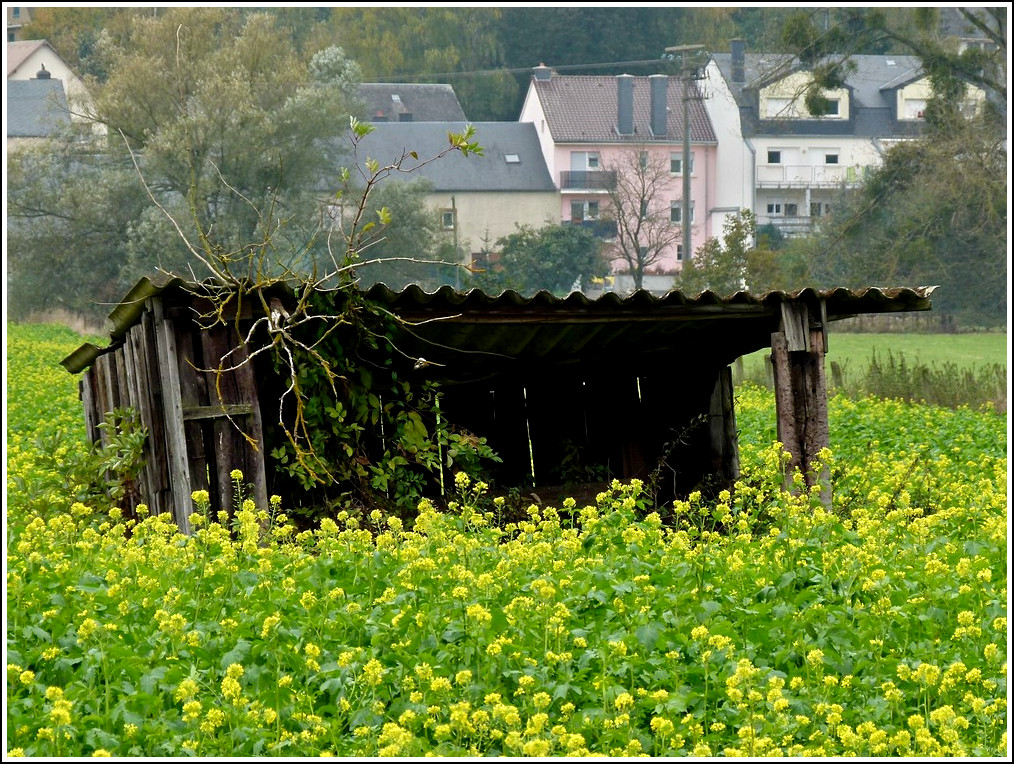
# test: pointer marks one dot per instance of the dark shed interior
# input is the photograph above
(562, 388)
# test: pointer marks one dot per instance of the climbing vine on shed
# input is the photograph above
(354, 427)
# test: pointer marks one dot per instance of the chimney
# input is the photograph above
(625, 104)
(659, 84)
(42, 74)
(738, 47)
(542, 72)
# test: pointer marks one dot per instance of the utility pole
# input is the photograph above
(691, 69)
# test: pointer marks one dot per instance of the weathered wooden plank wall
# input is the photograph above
(202, 424)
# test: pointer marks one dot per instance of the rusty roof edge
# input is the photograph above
(129, 310)
(122, 317)
(477, 299)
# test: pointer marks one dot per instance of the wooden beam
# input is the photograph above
(216, 412)
(797, 354)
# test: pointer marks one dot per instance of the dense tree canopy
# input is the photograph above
(555, 258)
(934, 214)
(214, 145)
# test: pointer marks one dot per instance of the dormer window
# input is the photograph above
(913, 108)
(833, 108)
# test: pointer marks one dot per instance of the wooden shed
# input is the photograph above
(628, 381)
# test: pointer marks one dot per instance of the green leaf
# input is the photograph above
(236, 654)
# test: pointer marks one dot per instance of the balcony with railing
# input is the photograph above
(789, 225)
(602, 228)
(587, 180)
(809, 176)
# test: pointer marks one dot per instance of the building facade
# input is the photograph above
(614, 147)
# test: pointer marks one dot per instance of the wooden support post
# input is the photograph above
(722, 425)
(797, 354)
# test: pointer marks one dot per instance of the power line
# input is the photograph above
(520, 70)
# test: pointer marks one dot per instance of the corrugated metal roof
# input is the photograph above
(472, 335)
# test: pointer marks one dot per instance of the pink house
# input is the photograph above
(614, 147)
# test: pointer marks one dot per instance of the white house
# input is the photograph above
(27, 58)
(788, 165)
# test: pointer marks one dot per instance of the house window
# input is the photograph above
(775, 208)
(814, 209)
(676, 212)
(774, 157)
(584, 160)
(830, 159)
(644, 209)
(582, 211)
(833, 108)
(405, 116)
(779, 108)
(676, 163)
(448, 218)
(335, 216)
(642, 159)
(16, 12)
(791, 210)
(679, 251)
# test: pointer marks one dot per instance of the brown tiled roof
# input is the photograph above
(583, 109)
(18, 52)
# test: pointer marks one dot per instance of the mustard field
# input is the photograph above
(754, 623)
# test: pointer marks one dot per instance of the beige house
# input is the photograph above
(17, 17)
(476, 199)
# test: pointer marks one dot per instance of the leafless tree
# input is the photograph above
(640, 206)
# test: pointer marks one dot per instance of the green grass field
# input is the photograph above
(855, 351)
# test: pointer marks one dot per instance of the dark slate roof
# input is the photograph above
(583, 109)
(873, 84)
(36, 108)
(478, 334)
(454, 172)
(391, 101)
